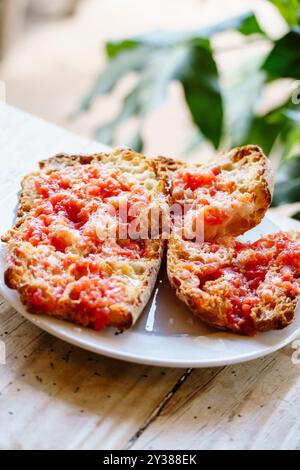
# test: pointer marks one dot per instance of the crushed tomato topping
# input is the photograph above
(245, 272)
(68, 259)
(210, 190)
(68, 199)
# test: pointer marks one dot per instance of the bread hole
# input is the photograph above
(126, 168)
(146, 175)
(143, 170)
(138, 268)
(149, 185)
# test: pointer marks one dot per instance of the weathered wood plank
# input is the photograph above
(55, 396)
(248, 406)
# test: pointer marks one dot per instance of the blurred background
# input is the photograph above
(172, 77)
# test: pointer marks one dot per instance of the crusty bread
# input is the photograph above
(124, 281)
(242, 288)
(244, 170)
(109, 285)
(231, 194)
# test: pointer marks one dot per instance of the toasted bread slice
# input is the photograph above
(240, 287)
(228, 196)
(59, 257)
(231, 286)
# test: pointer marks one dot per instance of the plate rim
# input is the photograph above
(66, 331)
(42, 322)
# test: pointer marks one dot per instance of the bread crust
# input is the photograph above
(275, 309)
(244, 160)
(255, 172)
(143, 272)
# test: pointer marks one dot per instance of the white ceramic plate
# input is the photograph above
(166, 333)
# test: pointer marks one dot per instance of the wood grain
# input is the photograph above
(56, 396)
(248, 406)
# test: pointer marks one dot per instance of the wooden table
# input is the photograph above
(55, 396)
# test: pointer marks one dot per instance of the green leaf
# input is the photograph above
(286, 192)
(289, 9)
(128, 61)
(136, 142)
(113, 48)
(163, 66)
(160, 58)
(202, 93)
(287, 187)
(296, 216)
(284, 59)
(105, 134)
(288, 116)
(246, 24)
(263, 132)
(249, 25)
(265, 129)
(292, 143)
(240, 98)
(293, 114)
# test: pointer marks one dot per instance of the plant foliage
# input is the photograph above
(224, 115)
